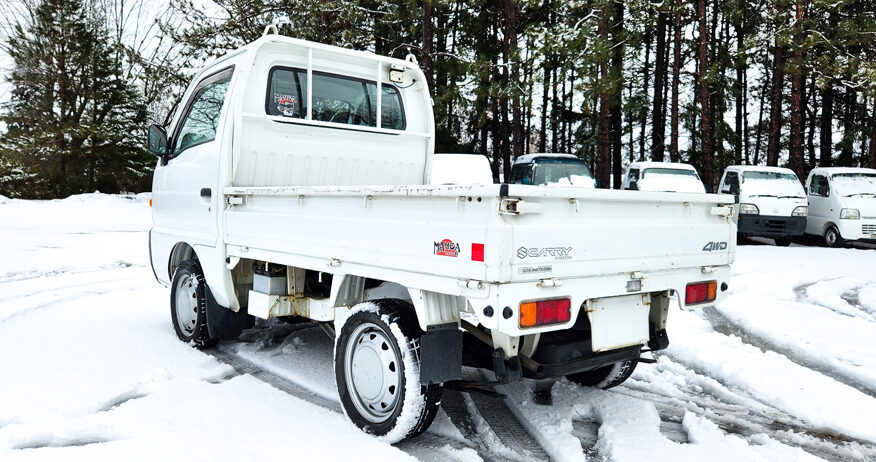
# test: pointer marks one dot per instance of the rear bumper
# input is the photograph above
(771, 226)
(552, 365)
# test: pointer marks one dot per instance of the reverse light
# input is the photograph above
(801, 211)
(748, 209)
(543, 312)
(700, 292)
(850, 214)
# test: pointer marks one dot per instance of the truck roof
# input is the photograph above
(834, 170)
(646, 164)
(532, 157)
(757, 168)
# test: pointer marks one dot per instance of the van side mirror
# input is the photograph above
(157, 141)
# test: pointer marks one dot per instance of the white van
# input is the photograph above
(842, 204)
(295, 182)
(663, 176)
(450, 168)
(772, 202)
(550, 169)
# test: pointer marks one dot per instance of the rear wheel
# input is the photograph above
(832, 237)
(783, 241)
(607, 376)
(188, 304)
(377, 370)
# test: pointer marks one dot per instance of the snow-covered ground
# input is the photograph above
(90, 368)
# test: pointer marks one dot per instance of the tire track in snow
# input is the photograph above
(427, 447)
(803, 296)
(750, 416)
(78, 295)
(725, 326)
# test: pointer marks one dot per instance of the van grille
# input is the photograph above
(868, 229)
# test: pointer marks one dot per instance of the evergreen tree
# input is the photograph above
(73, 123)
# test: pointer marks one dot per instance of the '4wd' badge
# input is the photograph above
(715, 246)
(446, 248)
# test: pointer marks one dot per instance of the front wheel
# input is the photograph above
(783, 241)
(607, 376)
(188, 304)
(377, 370)
(832, 237)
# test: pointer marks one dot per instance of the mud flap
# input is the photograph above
(440, 354)
(222, 323)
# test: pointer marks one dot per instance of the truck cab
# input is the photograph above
(551, 169)
(662, 176)
(772, 202)
(458, 168)
(842, 204)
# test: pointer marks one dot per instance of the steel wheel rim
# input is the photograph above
(831, 237)
(187, 303)
(372, 373)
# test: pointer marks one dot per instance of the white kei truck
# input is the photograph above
(772, 202)
(842, 204)
(293, 183)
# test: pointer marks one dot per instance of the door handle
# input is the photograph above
(206, 193)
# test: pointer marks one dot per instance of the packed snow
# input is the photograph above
(783, 369)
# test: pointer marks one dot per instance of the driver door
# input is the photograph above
(185, 188)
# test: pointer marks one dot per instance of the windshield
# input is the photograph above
(567, 173)
(777, 184)
(854, 184)
(669, 171)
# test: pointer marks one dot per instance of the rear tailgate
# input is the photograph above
(572, 232)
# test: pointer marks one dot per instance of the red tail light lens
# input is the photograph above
(700, 292)
(543, 312)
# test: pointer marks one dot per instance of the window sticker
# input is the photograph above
(285, 104)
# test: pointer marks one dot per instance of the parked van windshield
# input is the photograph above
(854, 184)
(772, 184)
(562, 172)
(669, 171)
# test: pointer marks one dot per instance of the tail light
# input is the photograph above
(542, 312)
(700, 292)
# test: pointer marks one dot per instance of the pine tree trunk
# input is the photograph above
(603, 138)
(426, 29)
(554, 112)
(741, 124)
(512, 54)
(826, 131)
(542, 142)
(775, 136)
(873, 136)
(658, 124)
(617, 94)
(763, 97)
(676, 67)
(810, 117)
(646, 73)
(705, 113)
(795, 150)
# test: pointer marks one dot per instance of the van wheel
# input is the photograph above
(783, 241)
(832, 237)
(188, 304)
(377, 371)
(607, 376)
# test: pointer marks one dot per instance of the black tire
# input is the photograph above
(607, 376)
(783, 241)
(189, 277)
(832, 237)
(414, 407)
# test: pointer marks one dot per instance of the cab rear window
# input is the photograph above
(337, 99)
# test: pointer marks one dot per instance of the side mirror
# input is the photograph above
(157, 141)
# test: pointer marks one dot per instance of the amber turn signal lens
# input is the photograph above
(528, 314)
